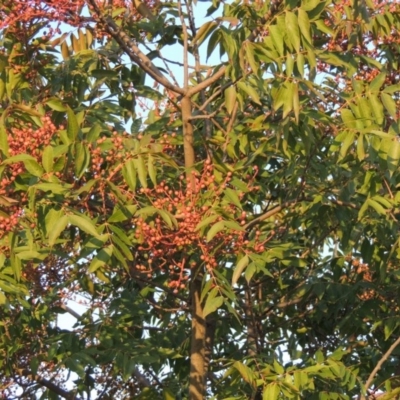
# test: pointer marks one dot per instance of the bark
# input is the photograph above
(251, 328)
(56, 389)
(188, 141)
(197, 349)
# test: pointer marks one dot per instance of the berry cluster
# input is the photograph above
(10, 222)
(99, 157)
(24, 140)
(172, 241)
(31, 140)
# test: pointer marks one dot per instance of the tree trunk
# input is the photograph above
(197, 349)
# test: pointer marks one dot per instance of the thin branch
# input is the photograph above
(195, 51)
(208, 116)
(165, 62)
(345, 204)
(185, 48)
(70, 311)
(218, 92)
(212, 119)
(56, 389)
(233, 117)
(142, 380)
(288, 204)
(269, 214)
(218, 126)
(208, 82)
(379, 365)
(132, 50)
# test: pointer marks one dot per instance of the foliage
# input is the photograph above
(228, 216)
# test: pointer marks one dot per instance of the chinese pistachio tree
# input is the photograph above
(216, 183)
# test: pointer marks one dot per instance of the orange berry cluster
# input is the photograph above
(10, 222)
(172, 242)
(24, 140)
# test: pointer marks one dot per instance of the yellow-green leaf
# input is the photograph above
(230, 98)
(204, 31)
(83, 224)
(56, 229)
(218, 227)
(240, 266)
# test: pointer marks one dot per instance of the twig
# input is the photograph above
(71, 311)
(56, 389)
(209, 116)
(233, 117)
(379, 365)
(185, 48)
(132, 50)
(195, 51)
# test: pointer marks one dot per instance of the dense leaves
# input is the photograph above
(216, 184)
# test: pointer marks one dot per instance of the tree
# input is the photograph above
(231, 226)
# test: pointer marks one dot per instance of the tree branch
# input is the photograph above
(379, 365)
(132, 50)
(56, 389)
(70, 311)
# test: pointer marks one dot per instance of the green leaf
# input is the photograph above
(292, 27)
(82, 159)
(73, 126)
(296, 102)
(234, 226)
(230, 98)
(376, 206)
(101, 258)
(393, 156)
(249, 51)
(250, 91)
(168, 395)
(288, 100)
(377, 82)
(392, 88)
(310, 5)
(56, 229)
(54, 188)
(129, 174)
(389, 104)
(168, 219)
(141, 170)
(48, 159)
(33, 167)
(377, 108)
(204, 31)
(240, 266)
(213, 302)
(347, 143)
(246, 373)
(289, 65)
(218, 227)
(57, 105)
(277, 39)
(104, 73)
(122, 246)
(300, 64)
(233, 197)
(84, 224)
(390, 396)
(360, 147)
(3, 136)
(152, 169)
(304, 24)
(122, 213)
(206, 222)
